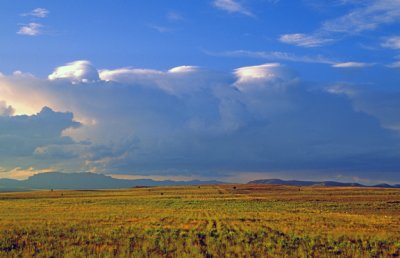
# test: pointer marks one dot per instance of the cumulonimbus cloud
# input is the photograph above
(24, 138)
(189, 120)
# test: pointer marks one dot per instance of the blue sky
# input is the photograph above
(226, 89)
(160, 35)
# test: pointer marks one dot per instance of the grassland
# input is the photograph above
(206, 221)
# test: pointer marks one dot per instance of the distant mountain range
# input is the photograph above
(85, 181)
(89, 181)
(315, 183)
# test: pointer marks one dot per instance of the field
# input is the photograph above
(205, 221)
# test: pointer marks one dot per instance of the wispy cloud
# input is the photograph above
(173, 16)
(392, 42)
(351, 65)
(38, 12)
(394, 65)
(284, 56)
(161, 29)
(232, 6)
(303, 40)
(33, 28)
(366, 15)
(371, 15)
(274, 55)
(30, 29)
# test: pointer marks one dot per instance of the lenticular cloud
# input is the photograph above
(76, 72)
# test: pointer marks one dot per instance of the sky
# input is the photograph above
(233, 90)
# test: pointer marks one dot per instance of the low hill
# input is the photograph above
(56, 180)
(314, 183)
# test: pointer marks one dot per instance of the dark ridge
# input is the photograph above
(315, 183)
(385, 186)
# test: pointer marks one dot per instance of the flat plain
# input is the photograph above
(202, 221)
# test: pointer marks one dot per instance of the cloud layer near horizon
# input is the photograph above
(192, 121)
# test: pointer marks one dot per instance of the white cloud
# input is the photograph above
(392, 42)
(183, 69)
(274, 55)
(29, 97)
(38, 12)
(260, 73)
(118, 74)
(304, 40)
(351, 65)
(23, 173)
(394, 65)
(177, 80)
(125, 73)
(341, 88)
(232, 6)
(31, 29)
(161, 29)
(80, 71)
(370, 15)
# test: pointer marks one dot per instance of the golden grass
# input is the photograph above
(206, 221)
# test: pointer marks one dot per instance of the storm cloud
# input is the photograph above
(192, 121)
(25, 139)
